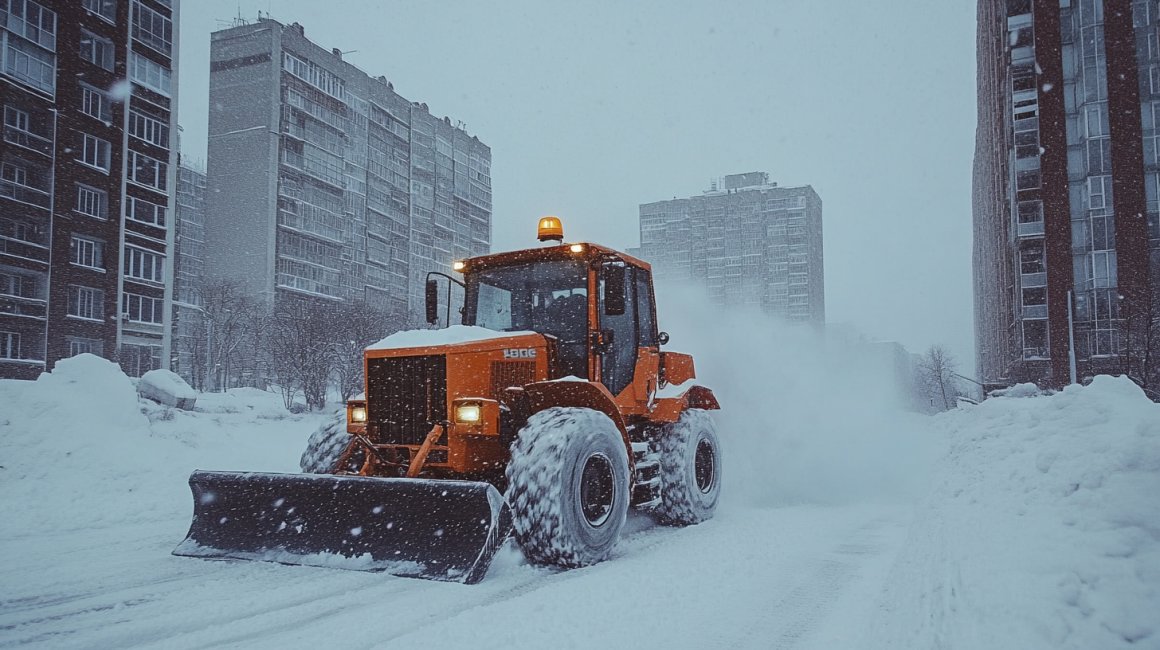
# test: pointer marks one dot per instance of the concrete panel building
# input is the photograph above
(189, 331)
(88, 89)
(747, 241)
(326, 183)
(1066, 188)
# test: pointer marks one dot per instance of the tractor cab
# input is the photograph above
(594, 302)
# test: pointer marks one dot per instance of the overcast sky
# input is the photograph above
(592, 108)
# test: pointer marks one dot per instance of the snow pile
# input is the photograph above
(167, 387)
(1042, 528)
(803, 420)
(79, 449)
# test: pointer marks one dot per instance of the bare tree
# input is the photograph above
(298, 345)
(356, 326)
(936, 370)
(233, 321)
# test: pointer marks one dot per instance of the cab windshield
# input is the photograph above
(549, 297)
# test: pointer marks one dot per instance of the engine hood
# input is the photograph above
(451, 340)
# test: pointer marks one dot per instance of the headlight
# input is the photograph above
(358, 414)
(468, 413)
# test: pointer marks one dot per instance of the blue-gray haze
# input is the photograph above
(592, 108)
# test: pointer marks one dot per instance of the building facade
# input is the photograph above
(1066, 188)
(746, 241)
(326, 183)
(89, 95)
(190, 333)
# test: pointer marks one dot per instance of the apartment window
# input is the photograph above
(16, 119)
(148, 129)
(1030, 211)
(11, 284)
(149, 74)
(86, 302)
(147, 171)
(106, 9)
(1154, 79)
(152, 28)
(137, 360)
(1096, 120)
(96, 152)
(14, 173)
(1031, 260)
(143, 309)
(1099, 156)
(1104, 269)
(1027, 180)
(84, 346)
(1027, 144)
(94, 103)
(87, 252)
(22, 231)
(92, 202)
(144, 265)
(9, 345)
(144, 211)
(32, 21)
(96, 49)
(30, 64)
(1098, 189)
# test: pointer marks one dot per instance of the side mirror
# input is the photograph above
(614, 280)
(662, 338)
(432, 302)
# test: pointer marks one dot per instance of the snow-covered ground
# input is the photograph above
(1023, 522)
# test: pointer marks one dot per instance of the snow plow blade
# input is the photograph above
(418, 528)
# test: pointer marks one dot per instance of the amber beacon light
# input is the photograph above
(550, 228)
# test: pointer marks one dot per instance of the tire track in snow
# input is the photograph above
(799, 611)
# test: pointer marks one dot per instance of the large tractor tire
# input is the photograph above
(326, 445)
(568, 487)
(690, 470)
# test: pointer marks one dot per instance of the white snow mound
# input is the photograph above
(1042, 529)
(447, 336)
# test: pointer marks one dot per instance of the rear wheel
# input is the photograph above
(568, 486)
(690, 469)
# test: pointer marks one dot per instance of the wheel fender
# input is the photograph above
(670, 407)
(583, 394)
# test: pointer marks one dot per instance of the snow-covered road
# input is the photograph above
(791, 577)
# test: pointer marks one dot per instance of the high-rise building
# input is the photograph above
(1066, 188)
(89, 95)
(747, 241)
(325, 182)
(189, 330)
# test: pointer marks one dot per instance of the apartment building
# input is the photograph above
(326, 183)
(747, 241)
(88, 89)
(1066, 188)
(190, 332)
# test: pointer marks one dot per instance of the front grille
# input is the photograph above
(511, 373)
(406, 396)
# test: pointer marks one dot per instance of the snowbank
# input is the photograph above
(79, 449)
(1042, 529)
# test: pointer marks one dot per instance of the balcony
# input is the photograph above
(28, 140)
(19, 306)
(1030, 229)
(1032, 280)
(1034, 312)
(25, 194)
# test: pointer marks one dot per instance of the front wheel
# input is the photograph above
(568, 486)
(690, 469)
